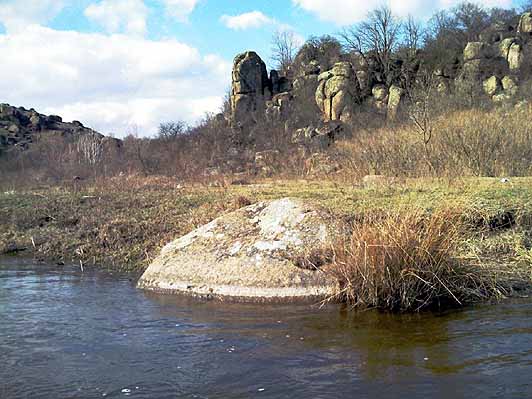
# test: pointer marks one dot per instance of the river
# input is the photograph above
(68, 334)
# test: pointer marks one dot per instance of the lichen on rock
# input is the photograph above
(255, 253)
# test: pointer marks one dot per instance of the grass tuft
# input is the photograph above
(406, 261)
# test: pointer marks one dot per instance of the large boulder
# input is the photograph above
(250, 88)
(515, 56)
(274, 250)
(475, 51)
(525, 24)
(338, 92)
(395, 99)
(492, 86)
(321, 137)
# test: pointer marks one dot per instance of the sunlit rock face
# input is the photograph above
(267, 251)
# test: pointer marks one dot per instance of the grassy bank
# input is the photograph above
(122, 223)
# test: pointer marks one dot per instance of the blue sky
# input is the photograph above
(124, 66)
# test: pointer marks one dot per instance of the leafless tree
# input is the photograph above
(284, 49)
(90, 147)
(379, 35)
(413, 32)
(422, 111)
(169, 131)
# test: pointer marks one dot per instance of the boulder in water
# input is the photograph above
(269, 251)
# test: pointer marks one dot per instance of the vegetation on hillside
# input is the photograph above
(430, 220)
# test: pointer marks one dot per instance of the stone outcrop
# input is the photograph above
(394, 101)
(20, 127)
(273, 251)
(340, 84)
(319, 137)
(250, 89)
(338, 92)
(525, 24)
(501, 54)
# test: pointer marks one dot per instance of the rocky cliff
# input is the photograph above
(493, 66)
(20, 127)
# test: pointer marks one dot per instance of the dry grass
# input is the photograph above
(473, 142)
(407, 261)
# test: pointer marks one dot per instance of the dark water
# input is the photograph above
(64, 334)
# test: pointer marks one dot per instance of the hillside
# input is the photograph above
(371, 101)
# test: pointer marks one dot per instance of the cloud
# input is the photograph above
(253, 19)
(119, 15)
(180, 9)
(345, 12)
(110, 82)
(17, 14)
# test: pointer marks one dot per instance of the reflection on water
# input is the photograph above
(64, 334)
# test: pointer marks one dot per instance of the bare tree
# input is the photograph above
(379, 36)
(171, 130)
(413, 32)
(422, 111)
(284, 49)
(90, 147)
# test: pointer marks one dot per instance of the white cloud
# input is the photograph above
(253, 19)
(17, 14)
(110, 82)
(119, 15)
(180, 9)
(345, 12)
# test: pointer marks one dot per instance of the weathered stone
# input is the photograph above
(250, 87)
(325, 76)
(504, 47)
(338, 92)
(509, 85)
(474, 51)
(492, 85)
(268, 251)
(310, 68)
(525, 24)
(380, 92)
(501, 97)
(19, 126)
(515, 57)
(277, 109)
(394, 101)
(54, 119)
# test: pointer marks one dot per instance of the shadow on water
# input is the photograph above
(67, 334)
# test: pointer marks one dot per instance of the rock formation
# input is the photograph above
(338, 92)
(20, 127)
(500, 56)
(339, 84)
(250, 89)
(274, 250)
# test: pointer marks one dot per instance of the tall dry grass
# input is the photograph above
(475, 142)
(406, 261)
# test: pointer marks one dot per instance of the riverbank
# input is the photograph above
(123, 223)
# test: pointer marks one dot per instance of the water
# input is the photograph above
(64, 334)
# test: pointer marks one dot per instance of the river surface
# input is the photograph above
(67, 334)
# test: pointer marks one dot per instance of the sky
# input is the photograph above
(124, 66)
